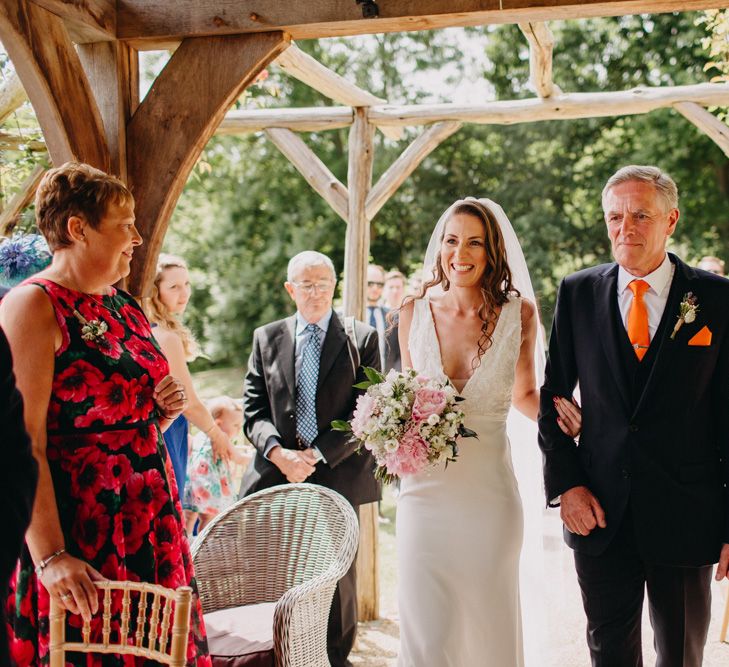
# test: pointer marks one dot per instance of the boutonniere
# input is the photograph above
(92, 330)
(687, 310)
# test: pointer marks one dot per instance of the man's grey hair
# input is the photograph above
(665, 186)
(306, 260)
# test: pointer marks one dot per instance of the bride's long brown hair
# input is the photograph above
(496, 285)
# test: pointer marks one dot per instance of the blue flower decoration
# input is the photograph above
(21, 256)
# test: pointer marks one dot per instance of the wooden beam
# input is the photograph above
(49, 67)
(11, 213)
(306, 69)
(310, 119)
(541, 46)
(143, 20)
(174, 122)
(562, 107)
(316, 173)
(707, 122)
(356, 257)
(86, 20)
(357, 240)
(407, 163)
(12, 95)
(113, 72)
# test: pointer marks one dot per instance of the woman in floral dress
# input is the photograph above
(97, 394)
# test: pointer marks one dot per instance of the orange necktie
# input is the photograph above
(638, 319)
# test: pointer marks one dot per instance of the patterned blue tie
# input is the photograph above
(306, 427)
(373, 319)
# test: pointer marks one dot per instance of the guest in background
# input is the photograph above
(300, 376)
(376, 313)
(97, 394)
(208, 490)
(712, 265)
(394, 293)
(18, 477)
(394, 290)
(415, 283)
(170, 295)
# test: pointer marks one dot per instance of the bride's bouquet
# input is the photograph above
(407, 421)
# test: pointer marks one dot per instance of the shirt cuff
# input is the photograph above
(319, 455)
(270, 444)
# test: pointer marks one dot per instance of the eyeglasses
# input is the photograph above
(374, 283)
(310, 288)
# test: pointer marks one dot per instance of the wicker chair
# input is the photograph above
(287, 545)
(145, 633)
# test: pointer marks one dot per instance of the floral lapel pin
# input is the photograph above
(687, 310)
(91, 330)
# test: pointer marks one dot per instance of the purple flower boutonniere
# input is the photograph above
(686, 312)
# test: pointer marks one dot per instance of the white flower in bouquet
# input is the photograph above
(408, 422)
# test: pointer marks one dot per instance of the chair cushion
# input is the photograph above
(241, 636)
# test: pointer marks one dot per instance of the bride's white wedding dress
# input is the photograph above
(459, 530)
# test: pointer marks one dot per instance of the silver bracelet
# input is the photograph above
(45, 562)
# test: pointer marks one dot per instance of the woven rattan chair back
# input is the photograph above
(144, 612)
(271, 541)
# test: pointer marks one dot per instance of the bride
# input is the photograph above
(460, 529)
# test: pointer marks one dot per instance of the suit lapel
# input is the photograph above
(605, 291)
(333, 343)
(286, 348)
(679, 286)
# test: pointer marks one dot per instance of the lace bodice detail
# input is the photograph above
(488, 391)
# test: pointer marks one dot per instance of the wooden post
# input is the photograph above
(356, 257)
(113, 72)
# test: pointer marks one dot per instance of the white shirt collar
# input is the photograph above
(323, 323)
(659, 280)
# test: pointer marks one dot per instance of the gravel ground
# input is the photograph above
(377, 642)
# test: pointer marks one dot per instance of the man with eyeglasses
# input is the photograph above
(300, 378)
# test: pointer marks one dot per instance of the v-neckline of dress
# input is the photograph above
(440, 355)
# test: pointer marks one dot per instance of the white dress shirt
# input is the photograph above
(654, 298)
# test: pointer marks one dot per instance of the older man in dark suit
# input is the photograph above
(300, 377)
(644, 495)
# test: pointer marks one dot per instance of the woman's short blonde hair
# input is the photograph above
(75, 189)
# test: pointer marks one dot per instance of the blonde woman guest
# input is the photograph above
(169, 299)
(209, 490)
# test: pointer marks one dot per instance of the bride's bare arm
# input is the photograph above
(403, 333)
(525, 395)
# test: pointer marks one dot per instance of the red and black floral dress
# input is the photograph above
(114, 484)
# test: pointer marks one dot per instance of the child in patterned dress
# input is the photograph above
(208, 490)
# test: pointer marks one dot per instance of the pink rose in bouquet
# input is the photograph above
(363, 412)
(411, 456)
(428, 402)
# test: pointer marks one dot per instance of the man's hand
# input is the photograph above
(292, 463)
(722, 569)
(310, 456)
(581, 511)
